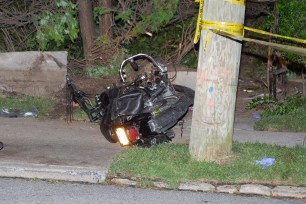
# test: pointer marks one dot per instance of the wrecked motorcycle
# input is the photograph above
(141, 111)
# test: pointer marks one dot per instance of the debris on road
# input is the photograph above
(11, 113)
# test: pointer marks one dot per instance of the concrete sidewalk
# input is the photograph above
(54, 150)
(78, 152)
(244, 132)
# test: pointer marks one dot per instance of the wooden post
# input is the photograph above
(271, 53)
(304, 84)
(217, 80)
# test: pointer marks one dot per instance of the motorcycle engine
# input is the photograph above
(165, 104)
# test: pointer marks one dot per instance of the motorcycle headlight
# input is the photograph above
(122, 136)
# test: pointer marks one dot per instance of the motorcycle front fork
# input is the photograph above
(95, 112)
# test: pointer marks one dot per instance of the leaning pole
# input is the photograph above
(217, 79)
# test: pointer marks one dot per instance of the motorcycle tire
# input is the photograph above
(186, 91)
(106, 131)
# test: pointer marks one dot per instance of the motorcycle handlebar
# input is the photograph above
(132, 59)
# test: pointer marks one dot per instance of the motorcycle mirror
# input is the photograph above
(134, 65)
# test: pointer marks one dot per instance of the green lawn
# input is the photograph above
(293, 122)
(288, 114)
(171, 163)
(24, 103)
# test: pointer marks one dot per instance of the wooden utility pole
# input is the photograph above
(216, 87)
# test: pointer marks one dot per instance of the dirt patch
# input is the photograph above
(252, 83)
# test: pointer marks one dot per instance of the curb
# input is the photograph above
(99, 175)
(245, 189)
(53, 172)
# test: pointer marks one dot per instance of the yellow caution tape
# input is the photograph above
(235, 29)
(294, 49)
(240, 2)
(232, 29)
(198, 27)
(207, 40)
(274, 35)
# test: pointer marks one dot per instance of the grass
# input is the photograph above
(44, 106)
(171, 163)
(288, 114)
(79, 114)
(23, 103)
(99, 71)
(109, 70)
(294, 122)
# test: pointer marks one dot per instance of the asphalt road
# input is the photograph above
(36, 191)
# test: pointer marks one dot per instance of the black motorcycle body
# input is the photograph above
(141, 111)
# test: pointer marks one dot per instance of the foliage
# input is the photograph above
(256, 102)
(286, 115)
(162, 12)
(190, 60)
(102, 70)
(124, 15)
(16, 22)
(54, 23)
(166, 41)
(104, 40)
(58, 26)
(293, 122)
(146, 16)
(80, 115)
(291, 22)
(164, 44)
(109, 70)
(99, 11)
(172, 163)
(289, 105)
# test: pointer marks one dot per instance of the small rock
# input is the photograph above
(125, 182)
(161, 185)
(227, 189)
(255, 189)
(196, 186)
(289, 191)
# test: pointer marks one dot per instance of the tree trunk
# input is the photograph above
(86, 26)
(271, 53)
(106, 20)
(216, 87)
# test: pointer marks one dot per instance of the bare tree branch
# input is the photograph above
(21, 14)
